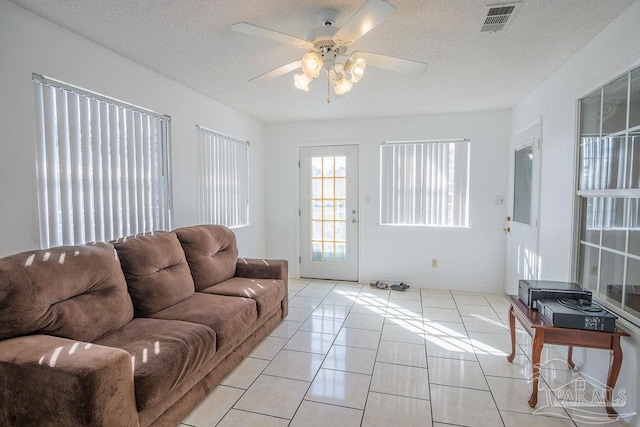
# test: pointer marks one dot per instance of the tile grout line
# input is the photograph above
(348, 311)
(323, 358)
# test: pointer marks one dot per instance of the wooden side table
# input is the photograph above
(545, 333)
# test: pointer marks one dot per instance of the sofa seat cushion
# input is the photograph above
(268, 293)
(163, 354)
(230, 317)
(156, 270)
(75, 292)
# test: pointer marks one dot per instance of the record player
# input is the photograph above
(530, 291)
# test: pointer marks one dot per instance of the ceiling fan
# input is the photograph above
(327, 47)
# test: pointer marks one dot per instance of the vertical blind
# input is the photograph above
(102, 166)
(223, 179)
(425, 183)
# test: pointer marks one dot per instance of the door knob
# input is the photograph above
(507, 230)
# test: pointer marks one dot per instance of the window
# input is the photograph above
(608, 255)
(102, 166)
(425, 183)
(223, 179)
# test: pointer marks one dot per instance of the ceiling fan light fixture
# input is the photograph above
(302, 81)
(311, 64)
(326, 49)
(357, 71)
(342, 86)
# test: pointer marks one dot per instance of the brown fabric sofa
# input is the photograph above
(130, 333)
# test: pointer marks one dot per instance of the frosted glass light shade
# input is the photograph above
(357, 72)
(302, 81)
(311, 64)
(343, 86)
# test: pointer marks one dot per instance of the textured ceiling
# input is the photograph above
(190, 41)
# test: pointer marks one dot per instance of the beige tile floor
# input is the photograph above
(348, 355)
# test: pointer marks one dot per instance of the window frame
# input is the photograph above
(231, 148)
(629, 197)
(103, 142)
(460, 210)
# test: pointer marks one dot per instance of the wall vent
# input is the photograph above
(499, 16)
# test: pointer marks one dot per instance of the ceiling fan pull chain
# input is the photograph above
(328, 88)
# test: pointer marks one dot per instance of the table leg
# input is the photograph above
(614, 370)
(512, 329)
(536, 351)
(570, 358)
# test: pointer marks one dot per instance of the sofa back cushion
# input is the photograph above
(211, 252)
(75, 292)
(156, 271)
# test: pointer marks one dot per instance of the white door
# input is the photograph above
(522, 220)
(329, 212)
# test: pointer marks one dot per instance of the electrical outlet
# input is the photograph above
(434, 263)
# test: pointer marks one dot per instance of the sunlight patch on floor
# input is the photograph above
(429, 330)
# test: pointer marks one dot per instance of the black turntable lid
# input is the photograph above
(552, 284)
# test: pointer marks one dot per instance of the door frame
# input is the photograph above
(298, 233)
(535, 192)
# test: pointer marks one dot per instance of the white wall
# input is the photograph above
(471, 258)
(30, 44)
(615, 50)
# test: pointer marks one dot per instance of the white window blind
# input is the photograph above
(102, 166)
(425, 183)
(223, 179)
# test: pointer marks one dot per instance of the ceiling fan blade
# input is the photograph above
(254, 30)
(392, 63)
(280, 71)
(372, 13)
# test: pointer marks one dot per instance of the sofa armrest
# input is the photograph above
(262, 268)
(48, 380)
(277, 269)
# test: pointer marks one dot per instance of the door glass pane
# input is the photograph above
(634, 105)
(341, 166)
(341, 210)
(327, 252)
(341, 231)
(328, 210)
(327, 188)
(611, 276)
(316, 166)
(316, 188)
(522, 185)
(316, 251)
(316, 230)
(316, 209)
(329, 204)
(327, 231)
(614, 108)
(341, 188)
(341, 252)
(327, 166)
